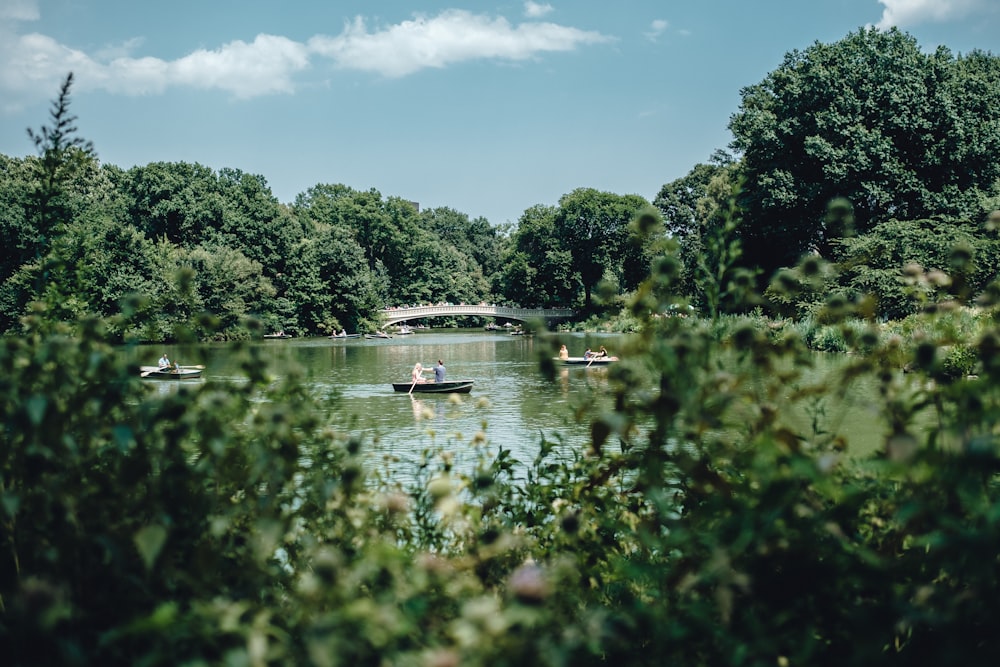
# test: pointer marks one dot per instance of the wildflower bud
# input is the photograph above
(938, 278)
(528, 584)
(442, 658)
(396, 503)
(439, 487)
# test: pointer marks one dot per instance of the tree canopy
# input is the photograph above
(901, 133)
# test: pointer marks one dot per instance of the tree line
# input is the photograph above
(180, 241)
(867, 153)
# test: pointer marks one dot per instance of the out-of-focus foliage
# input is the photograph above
(704, 523)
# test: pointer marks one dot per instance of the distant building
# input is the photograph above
(415, 205)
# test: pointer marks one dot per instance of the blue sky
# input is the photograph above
(485, 107)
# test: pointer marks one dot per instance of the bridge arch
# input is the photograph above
(397, 315)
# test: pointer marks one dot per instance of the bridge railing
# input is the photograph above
(393, 315)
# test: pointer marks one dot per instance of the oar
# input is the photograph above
(145, 373)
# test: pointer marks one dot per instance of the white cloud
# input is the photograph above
(536, 10)
(262, 67)
(32, 65)
(656, 28)
(904, 13)
(451, 37)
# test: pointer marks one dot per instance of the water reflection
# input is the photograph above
(512, 405)
(423, 409)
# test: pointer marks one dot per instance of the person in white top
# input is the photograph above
(418, 371)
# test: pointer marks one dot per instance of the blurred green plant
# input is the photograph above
(239, 523)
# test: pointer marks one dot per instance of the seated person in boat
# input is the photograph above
(563, 352)
(439, 371)
(164, 363)
(588, 354)
(417, 374)
(601, 353)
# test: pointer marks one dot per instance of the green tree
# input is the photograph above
(475, 239)
(230, 285)
(538, 268)
(254, 223)
(329, 283)
(178, 201)
(678, 200)
(906, 264)
(593, 227)
(899, 132)
(62, 155)
(17, 231)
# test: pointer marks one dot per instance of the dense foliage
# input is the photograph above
(592, 240)
(236, 523)
(897, 133)
(191, 242)
(900, 133)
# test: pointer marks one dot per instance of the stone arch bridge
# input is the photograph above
(550, 315)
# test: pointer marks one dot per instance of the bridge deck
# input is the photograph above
(396, 315)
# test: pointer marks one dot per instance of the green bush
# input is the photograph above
(237, 524)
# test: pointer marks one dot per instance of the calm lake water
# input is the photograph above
(511, 403)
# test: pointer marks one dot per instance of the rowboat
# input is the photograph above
(582, 361)
(345, 335)
(281, 336)
(182, 373)
(446, 387)
(377, 334)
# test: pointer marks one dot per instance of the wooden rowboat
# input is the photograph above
(446, 387)
(182, 373)
(580, 361)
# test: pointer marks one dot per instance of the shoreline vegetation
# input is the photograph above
(698, 526)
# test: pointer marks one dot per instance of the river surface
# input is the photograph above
(512, 405)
